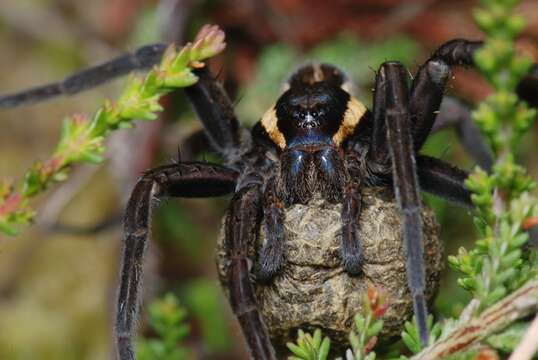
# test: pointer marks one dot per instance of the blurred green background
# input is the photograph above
(57, 289)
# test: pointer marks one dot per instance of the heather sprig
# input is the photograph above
(367, 325)
(309, 347)
(167, 320)
(411, 338)
(503, 200)
(82, 137)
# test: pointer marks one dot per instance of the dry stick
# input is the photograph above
(529, 345)
(520, 303)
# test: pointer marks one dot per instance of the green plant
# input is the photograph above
(167, 319)
(503, 200)
(411, 338)
(82, 137)
(367, 326)
(310, 347)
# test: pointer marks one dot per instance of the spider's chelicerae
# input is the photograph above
(318, 140)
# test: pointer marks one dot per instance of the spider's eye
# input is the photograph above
(314, 114)
(299, 114)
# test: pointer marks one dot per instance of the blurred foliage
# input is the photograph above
(357, 58)
(167, 319)
(507, 340)
(206, 302)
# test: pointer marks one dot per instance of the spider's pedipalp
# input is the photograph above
(272, 257)
(351, 250)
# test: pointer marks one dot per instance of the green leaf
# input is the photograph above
(374, 329)
(509, 338)
(297, 350)
(411, 343)
(324, 349)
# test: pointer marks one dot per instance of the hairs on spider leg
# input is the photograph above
(238, 100)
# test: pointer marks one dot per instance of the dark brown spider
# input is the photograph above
(317, 141)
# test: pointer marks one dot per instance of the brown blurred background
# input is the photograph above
(57, 288)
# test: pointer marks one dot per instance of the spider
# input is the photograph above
(317, 140)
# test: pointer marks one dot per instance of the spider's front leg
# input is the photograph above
(143, 58)
(427, 94)
(392, 95)
(242, 226)
(189, 179)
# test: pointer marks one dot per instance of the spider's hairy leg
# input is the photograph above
(527, 89)
(454, 113)
(271, 257)
(242, 226)
(444, 180)
(215, 111)
(189, 179)
(430, 80)
(426, 102)
(425, 99)
(143, 58)
(405, 182)
(379, 152)
(351, 252)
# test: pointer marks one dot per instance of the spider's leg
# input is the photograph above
(426, 96)
(429, 82)
(242, 225)
(527, 89)
(448, 182)
(215, 111)
(454, 113)
(189, 179)
(444, 180)
(351, 252)
(405, 182)
(190, 148)
(379, 151)
(271, 257)
(143, 58)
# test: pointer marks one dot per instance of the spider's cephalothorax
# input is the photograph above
(308, 125)
(317, 141)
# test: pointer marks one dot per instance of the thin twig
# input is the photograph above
(515, 306)
(529, 345)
